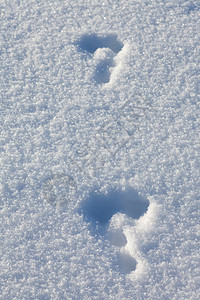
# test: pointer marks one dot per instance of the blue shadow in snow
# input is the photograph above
(92, 42)
(99, 208)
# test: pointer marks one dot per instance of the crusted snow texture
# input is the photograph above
(99, 149)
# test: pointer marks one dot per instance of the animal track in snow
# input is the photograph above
(104, 49)
(98, 210)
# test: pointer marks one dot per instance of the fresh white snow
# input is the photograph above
(99, 149)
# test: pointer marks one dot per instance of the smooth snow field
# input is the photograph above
(99, 149)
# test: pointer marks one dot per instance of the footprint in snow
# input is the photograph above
(99, 208)
(104, 49)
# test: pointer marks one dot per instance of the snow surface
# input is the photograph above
(99, 143)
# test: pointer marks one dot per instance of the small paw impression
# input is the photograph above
(104, 49)
(99, 208)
